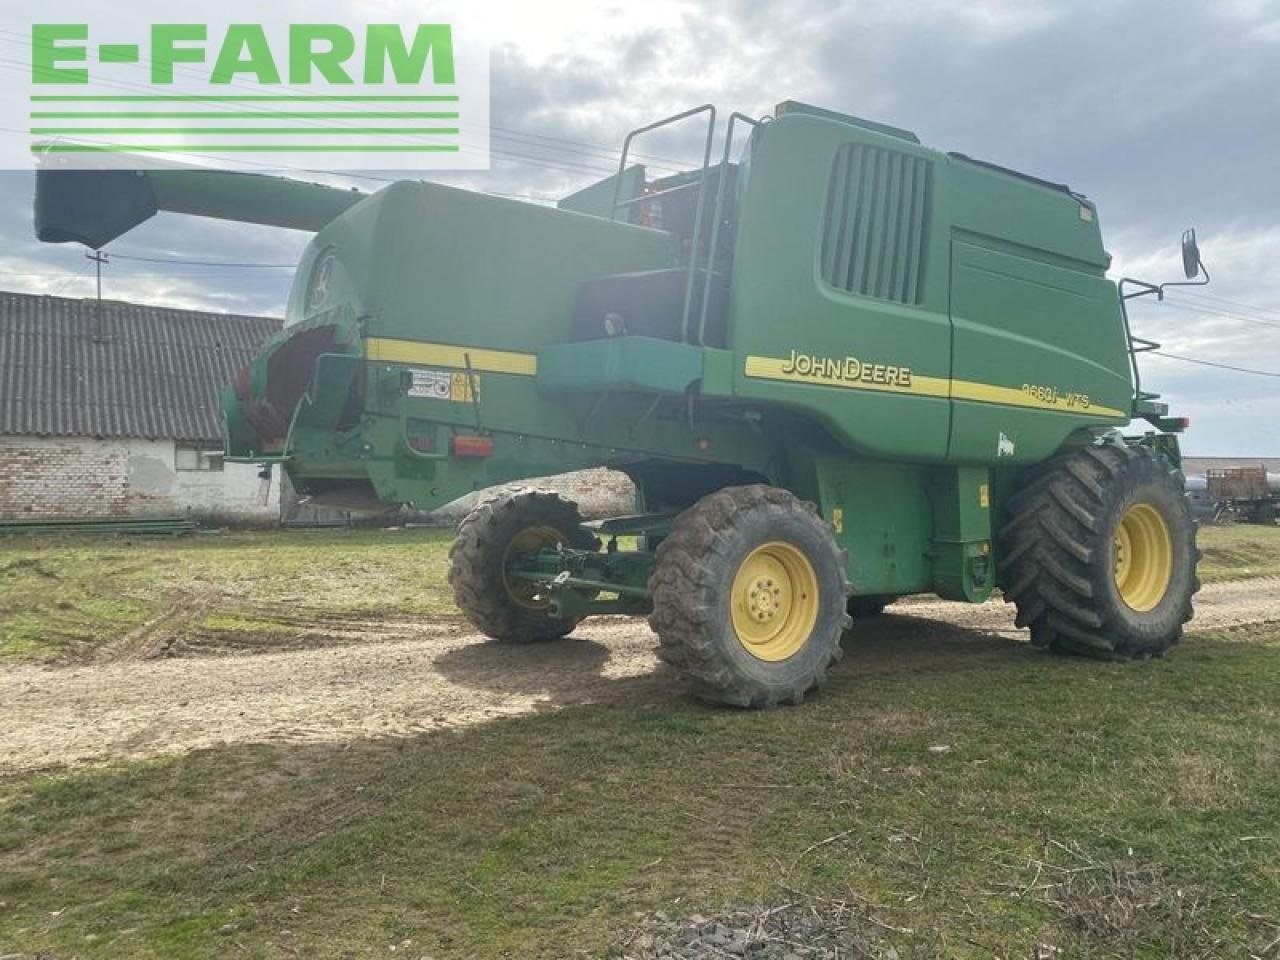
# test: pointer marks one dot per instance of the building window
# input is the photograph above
(190, 456)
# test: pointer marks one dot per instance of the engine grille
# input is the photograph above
(873, 234)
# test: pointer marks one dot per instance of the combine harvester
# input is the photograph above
(843, 369)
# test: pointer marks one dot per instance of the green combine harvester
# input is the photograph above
(842, 369)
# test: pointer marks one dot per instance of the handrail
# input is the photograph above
(1146, 345)
(717, 215)
(626, 144)
(1142, 345)
(710, 110)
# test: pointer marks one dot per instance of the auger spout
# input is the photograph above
(94, 207)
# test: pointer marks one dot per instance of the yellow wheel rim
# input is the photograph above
(1143, 557)
(528, 541)
(774, 601)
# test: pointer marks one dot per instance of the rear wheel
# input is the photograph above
(1098, 553)
(749, 597)
(499, 531)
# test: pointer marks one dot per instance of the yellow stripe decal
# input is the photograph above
(1014, 397)
(765, 368)
(773, 368)
(450, 355)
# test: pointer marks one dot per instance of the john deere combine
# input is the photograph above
(842, 369)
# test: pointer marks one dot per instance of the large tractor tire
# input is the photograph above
(749, 597)
(1098, 552)
(499, 529)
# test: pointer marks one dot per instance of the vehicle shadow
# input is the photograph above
(616, 664)
(902, 641)
(616, 661)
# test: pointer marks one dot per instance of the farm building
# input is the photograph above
(111, 410)
(116, 414)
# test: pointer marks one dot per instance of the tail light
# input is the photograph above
(469, 446)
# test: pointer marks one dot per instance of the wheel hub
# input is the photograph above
(764, 599)
(1143, 557)
(528, 541)
(774, 601)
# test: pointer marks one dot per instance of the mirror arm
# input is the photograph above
(1146, 289)
(1204, 278)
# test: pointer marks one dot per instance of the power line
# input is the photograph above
(1251, 309)
(1211, 363)
(604, 152)
(131, 276)
(1219, 313)
(203, 263)
(81, 274)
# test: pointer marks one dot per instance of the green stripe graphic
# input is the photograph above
(243, 115)
(279, 98)
(243, 148)
(309, 131)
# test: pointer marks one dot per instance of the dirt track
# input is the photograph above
(339, 679)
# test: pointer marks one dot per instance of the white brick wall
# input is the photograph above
(83, 477)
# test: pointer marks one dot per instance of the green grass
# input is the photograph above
(1107, 810)
(64, 598)
(1244, 550)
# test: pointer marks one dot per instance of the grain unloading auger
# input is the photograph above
(842, 369)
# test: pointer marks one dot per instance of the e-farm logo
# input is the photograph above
(250, 94)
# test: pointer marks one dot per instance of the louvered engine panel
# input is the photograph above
(873, 235)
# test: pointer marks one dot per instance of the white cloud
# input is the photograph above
(1234, 320)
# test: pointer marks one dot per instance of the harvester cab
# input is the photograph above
(839, 366)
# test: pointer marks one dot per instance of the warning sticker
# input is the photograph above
(442, 385)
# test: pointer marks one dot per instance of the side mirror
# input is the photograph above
(1192, 266)
(1190, 254)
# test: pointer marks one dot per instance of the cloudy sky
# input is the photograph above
(1167, 114)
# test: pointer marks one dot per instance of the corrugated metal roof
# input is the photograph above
(144, 371)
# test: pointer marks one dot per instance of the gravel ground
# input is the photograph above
(788, 931)
(334, 681)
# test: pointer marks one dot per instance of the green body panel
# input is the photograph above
(904, 332)
(1009, 292)
(881, 514)
(434, 263)
(619, 363)
(779, 302)
(1032, 310)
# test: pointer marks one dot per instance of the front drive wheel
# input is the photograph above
(1098, 552)
(749, 597)
(500, 530)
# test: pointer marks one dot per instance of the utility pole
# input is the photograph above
(99, 258)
